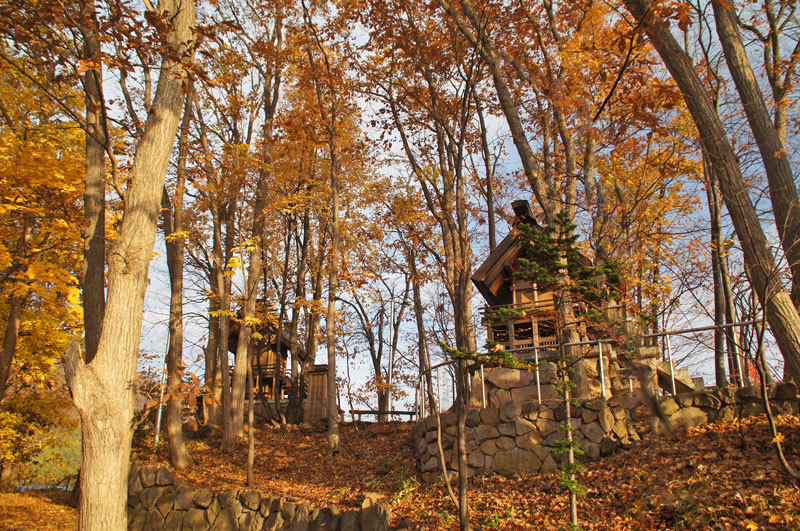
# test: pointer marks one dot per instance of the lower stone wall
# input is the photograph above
(523, 439)
(157, 501)
(710, 405)
(515, 438)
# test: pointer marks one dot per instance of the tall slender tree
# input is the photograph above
(172, 215)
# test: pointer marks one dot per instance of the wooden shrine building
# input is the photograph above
(529, 328)
(270, 378)
(533, 322)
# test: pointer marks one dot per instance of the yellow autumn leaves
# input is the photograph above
(41, 188)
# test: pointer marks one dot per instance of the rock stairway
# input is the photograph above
(683, 380)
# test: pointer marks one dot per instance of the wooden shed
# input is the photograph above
(315, 384)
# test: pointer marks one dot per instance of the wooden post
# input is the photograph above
(602, 370)
(538, 387)
(438, 390)
(483, 389)
(671, 367)
(422, 395)
(160, 405)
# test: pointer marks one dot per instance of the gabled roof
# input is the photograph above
(497, 267)
(491, 270)
(268, 331)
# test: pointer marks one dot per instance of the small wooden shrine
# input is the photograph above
(528, 326)
(528, 330)
(532, 322)
(270, 378)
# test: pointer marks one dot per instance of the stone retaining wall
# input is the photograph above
(157, 501)
(501, 384)
(712, 404)
(522, 439)
(515, 438)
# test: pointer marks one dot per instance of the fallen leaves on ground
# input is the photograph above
(40, 511)
(722, 476)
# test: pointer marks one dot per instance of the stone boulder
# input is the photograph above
(374, 515)
(509, 378)
(514, 462)
(687, 417)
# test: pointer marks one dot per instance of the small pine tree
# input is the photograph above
(551, 260)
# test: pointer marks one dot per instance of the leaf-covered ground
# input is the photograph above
(722, 476)
(42, 511)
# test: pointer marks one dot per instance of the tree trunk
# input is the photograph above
(217, 376)
(573, 495)
(569, 334)
(761, 352)
(313, 319)
(293, 410)
(329, 112)
(222, 215)
(94, 236)
(714, 206)
(224, 283)
(419, 317)
(280, 369)
(462, 395)
(780, 310)
(731, 333)
(234, 419)
(383, 402)
(175, 243)
(251, 442)
(103, 389)
(222, 288)
(330, 320)
(210, 350)
(9, 341)
(424, 369)
(782, 187)
(212, 404)
(489, 172)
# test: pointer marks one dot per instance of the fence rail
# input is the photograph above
(427, 373)
(376, 412)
